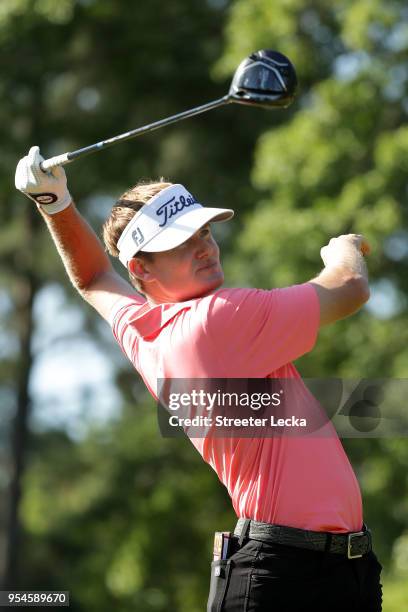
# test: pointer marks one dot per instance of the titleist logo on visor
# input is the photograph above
(173, 206)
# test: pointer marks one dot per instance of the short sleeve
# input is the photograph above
(256, 332)
(120, 319)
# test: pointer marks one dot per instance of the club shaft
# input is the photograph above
(66, 158)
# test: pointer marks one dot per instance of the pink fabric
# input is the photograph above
(304, 482)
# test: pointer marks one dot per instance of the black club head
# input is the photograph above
(266, 78)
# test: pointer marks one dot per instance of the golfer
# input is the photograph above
(300, 543)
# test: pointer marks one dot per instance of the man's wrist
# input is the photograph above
(55, 207)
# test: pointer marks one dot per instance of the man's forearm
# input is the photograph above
(80, 249)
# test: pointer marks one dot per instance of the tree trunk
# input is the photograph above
(25, 289)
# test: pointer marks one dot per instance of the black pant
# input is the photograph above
(263, 577)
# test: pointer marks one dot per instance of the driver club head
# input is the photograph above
(266, 78)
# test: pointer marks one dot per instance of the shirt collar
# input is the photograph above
(149, 320)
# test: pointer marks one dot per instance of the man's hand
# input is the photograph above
(346, 250)
(48, 189)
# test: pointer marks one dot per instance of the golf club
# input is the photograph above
(266, 78)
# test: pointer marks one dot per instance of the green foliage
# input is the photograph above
(395, 598)
(123, 518)
(127, 514)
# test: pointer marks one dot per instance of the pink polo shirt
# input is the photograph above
(299, 481)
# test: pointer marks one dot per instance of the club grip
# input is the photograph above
(58, 160)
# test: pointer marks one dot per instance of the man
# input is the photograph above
(300, 540)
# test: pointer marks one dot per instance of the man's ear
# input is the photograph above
(141, 269)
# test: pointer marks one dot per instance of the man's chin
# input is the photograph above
(214, 284)
(206, 288)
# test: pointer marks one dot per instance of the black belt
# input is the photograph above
(352, 545)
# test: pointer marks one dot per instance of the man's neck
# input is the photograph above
(155, 300)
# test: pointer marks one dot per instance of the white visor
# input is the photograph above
(165, 222)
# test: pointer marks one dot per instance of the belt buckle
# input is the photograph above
(350, 544)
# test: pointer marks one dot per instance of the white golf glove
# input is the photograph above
(48, 189)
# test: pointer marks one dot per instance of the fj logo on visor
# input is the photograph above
(137, 236)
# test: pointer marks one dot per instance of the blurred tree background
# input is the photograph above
(93, 499)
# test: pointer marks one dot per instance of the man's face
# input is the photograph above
(190, 270)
